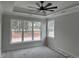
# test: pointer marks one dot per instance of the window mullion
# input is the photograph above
(46, 28)
(41, 31)
(22, 30)
(32, 31)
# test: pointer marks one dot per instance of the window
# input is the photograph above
(51, 28)
(36, 29)
(27, 31)
(16, 31)
(23, 30)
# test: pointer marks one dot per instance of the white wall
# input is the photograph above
(67, 34)
(6, 33)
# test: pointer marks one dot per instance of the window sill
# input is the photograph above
(27, 42)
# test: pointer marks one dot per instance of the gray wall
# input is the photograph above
(0, 27)
(67, 34)
(0, 34)
(6, 46)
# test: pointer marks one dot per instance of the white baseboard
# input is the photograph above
(66, 54)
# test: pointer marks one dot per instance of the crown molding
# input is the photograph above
(69, 10)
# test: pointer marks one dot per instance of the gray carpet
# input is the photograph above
(37, 52)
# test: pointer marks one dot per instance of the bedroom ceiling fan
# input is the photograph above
(43, 8)
(40, 8)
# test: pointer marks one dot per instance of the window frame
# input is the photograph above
(22, 38)
(33, 31)
(48, 28)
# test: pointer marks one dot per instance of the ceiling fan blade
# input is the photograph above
(55, 7)
(49, 4)
(49, 10)
(38, 4)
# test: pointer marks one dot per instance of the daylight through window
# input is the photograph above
(51, 28)
(23, 30)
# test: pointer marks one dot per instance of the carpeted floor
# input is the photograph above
(37, 52)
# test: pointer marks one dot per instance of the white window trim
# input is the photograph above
(23, 33)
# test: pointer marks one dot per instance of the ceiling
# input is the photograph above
(11, 5)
